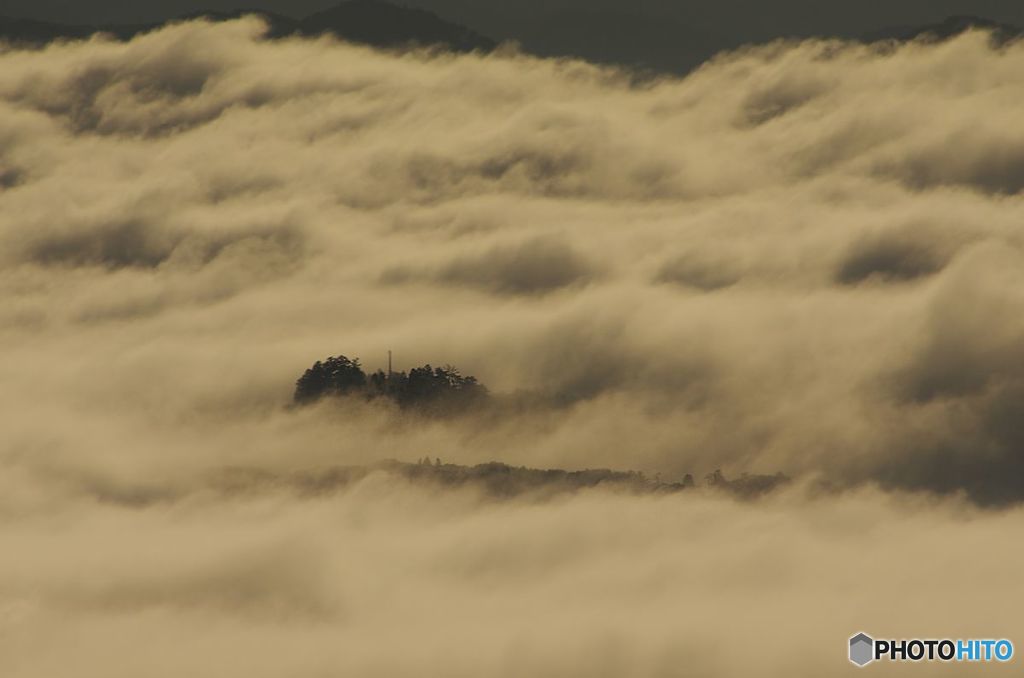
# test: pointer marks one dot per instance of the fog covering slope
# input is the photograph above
(803, 258)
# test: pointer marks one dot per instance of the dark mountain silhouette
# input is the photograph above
(278, 25)
(29, 32)
(382, 24)
(370, 22)
(946, 29)
(649, 39)
(626, 37)
(662, 42)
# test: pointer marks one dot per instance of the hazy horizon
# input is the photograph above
(730, 22)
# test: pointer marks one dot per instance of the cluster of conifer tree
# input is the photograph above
(421, 386)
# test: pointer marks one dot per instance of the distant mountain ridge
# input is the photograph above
(627, 37)
(948, 28)
(630, 37)
(371, 22)
(374, 22)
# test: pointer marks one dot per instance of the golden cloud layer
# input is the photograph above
(803, 258)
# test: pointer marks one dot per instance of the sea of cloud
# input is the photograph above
(803, 257)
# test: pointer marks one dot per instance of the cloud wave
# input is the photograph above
(803, 257)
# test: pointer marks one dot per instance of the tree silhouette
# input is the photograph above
(435, 386)
(377, 384)
(332, 377)
(436, 390)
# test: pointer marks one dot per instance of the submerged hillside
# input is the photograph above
(494, 479)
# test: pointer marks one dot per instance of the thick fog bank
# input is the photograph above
(803, 258)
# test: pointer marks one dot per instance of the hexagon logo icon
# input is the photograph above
(862, 649)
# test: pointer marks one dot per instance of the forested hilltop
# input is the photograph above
(422, 387)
